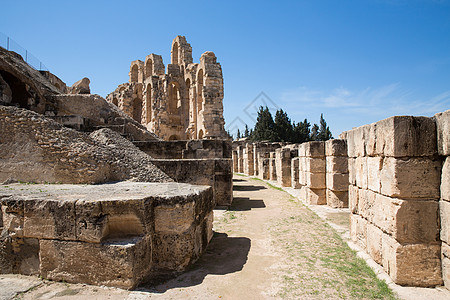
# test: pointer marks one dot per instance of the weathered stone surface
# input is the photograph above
(445, 180)
(445, 256)
(337, 199)
(337, 164)
(374, 166)
(337, 182)
(443, 129)
(121, 263)
(314, 149)
(361, 173)
(336, 147)
(356, 139)
(174, 219)
(412, 264)
(411, 178)
(444, 210)
(352, 170)
(353, 198)
(374, 243)
(81, 86)
(315, 165)
(406, 136)
(315, 196)
(19, 255)
(358, 230)
(316, 180)
(295, 180)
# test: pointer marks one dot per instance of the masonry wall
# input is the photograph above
(394, 197)
(336, 173)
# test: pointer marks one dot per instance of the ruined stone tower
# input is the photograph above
(184, 103)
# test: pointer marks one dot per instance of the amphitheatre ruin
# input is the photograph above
(122, 191)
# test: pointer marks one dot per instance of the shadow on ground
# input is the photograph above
(244, 203)
(237, 180)
(248, 187)
(224, 255)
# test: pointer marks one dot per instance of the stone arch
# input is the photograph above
(17, 92)
(148, 68)
(200, 134)
(134, 73)
(199, 90)
(115, 101)
(175, 56)
(148, 99)
(174, 98)
(137, 109)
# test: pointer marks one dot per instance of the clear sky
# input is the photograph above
(356, 62)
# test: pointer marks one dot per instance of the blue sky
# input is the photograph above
(356, 62)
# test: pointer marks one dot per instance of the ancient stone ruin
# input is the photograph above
(394, 175)
(149, 213)
(184, 103)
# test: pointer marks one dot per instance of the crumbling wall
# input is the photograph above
(394, 192)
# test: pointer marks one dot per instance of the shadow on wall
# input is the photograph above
(224, 255)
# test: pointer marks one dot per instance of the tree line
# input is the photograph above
(282, 129)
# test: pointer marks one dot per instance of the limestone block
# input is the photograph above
(408, 221)
(337, 182)
(315, 165)
(295, 183)
(444, 210)
(374, 243)
(12, 216)
(315, 196)
(356, 139)
(128, 260)
(337, 199)
(370, 142)
(374, 166)
(336, 147)
(353, 198)
(315, 149)
(445, 180)
(406, 136)
(366, 203)
(176, 219)
(19, 255)
(443, 132)
(411, 178)
(272, 169)
(445, 257)
(412, 264)
(358, 230)
(361, 176)
(352, 170)
(302, 150)
(223, 189)
(91, 223)
(337, 164)
(43, 219)
(81, 86)
(263, 172)
(316, 180)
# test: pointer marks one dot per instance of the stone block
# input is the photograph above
(315, 149)
(445, 257)
(91, 222)
(302, 150)
(19, 255)
(176, 219)
(337, 199)
(316, 180)
(337, 164)
(43, 219)
(370, 142)
(356, 139)
(352, 170)
(337, 182)
(443, 132)
(361, 176)
(12, 216)
(366, 204)
(295, 183)
(444, 211)
(353, 198)
(316, 196)
(445, 180)
(336, 147)
(315, 165)
(411, 178)
(412, 264)
(406, 136)
(374, 243)
(128, 261)
(358, 230)
(374, 166)
(408, 221)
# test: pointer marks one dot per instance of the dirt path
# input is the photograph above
(267, 245)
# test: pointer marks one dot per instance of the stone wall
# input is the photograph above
(184, 103)
(337, 173)
(120, 235)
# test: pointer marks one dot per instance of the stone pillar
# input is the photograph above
(248, 159)
(443, 141)
(337, 173)
(272, 167)
(235, 161)
(283, 166)
(295, 172)
(394, 193)
(255, 159)
(240, 159)
(312, 172)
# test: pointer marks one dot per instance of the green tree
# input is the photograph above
(283, 127)
(238, 134)
(246, 133)
(324, 132)
(314, 133)
(264, 127)
(301, 132)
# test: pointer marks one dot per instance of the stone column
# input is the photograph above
(337, 173)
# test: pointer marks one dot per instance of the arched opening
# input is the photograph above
(148, 99)
(200, 91)
(134, 73)
(148, 68)
(175, 54)
(174, 99)
(200, 134)
(137, 109)
(188, 89)
(173, 137)
(115, 101)
(15, 92)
